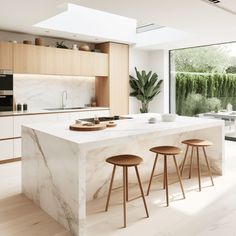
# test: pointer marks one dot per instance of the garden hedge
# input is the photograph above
(222, 86)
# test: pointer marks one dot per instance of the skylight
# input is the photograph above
(98, 24)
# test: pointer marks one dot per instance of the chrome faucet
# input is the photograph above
(63, 99)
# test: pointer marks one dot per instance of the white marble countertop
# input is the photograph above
(43, 111)
(127, 128)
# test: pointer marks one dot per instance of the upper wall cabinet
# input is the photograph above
(30, 59)
(6, 56)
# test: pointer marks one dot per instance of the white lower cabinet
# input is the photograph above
(10, 128)
(32, 119)
(17, 148)
(6, 127)
(6, 149)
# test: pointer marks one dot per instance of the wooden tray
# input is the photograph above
(80, 127)
(101, 126)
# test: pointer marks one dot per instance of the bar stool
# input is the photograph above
(166, 151)
(197, 143)
(125, 161)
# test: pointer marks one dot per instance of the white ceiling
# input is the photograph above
(201, 22)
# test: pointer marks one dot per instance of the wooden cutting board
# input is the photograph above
(101, 126)
(81, 127)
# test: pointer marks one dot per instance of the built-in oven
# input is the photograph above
(6, 91)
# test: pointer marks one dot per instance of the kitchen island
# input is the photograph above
(63, 169)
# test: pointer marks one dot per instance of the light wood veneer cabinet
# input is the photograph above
(6, 56)
(30, 59)
(113, 91)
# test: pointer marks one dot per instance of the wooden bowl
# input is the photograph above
(39, 41)
(27, 42)
(84, 47)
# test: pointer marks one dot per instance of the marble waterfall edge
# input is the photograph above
(50, 177)
(62, 170)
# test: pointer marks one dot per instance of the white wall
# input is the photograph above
(157, 61)
(139, 59)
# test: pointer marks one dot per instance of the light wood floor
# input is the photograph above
(20, 217)
(209, 213)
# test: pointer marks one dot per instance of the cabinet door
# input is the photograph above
(17, 148)
(6, 56)
(33, 59)
(101, 64)
(6, 149)
(28, 59)
(32, 119)
(6, 127)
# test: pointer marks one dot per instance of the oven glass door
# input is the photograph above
(6, 82)
(6, 103)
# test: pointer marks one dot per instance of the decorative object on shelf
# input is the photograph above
(84, 47)
(93, 102)
(61, 45)
(19, 107)
(39, 41)
(25, 107)
(27, 42)
(12, 41)
(75, 47)
(145, 87)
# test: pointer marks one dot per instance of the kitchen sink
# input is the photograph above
(62, 109)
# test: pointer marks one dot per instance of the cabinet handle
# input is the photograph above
(3, 96)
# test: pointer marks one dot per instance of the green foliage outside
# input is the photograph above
(196, 104)
(221, 86)
(211, 59)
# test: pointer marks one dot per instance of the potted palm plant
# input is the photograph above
(145, 87)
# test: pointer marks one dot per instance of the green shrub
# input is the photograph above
(221, 86)
(196, 104)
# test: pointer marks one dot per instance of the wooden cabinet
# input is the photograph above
(113, 91)
(6, 56)
(30, 59)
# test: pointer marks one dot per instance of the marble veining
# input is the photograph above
(44, 91)
(62, 169)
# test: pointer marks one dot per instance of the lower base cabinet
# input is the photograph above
(6, 149)
(10, 145)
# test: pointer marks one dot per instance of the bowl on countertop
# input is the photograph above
(152, 120)
(168, 117)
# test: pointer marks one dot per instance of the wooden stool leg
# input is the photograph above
(127, 186)
(177, 171)
(124, 193)
(185, 157)
(191, 163)
(153, 169)
(199, 173)
(208, 166)
(110, 188)
(166, 180)
(141, 189)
